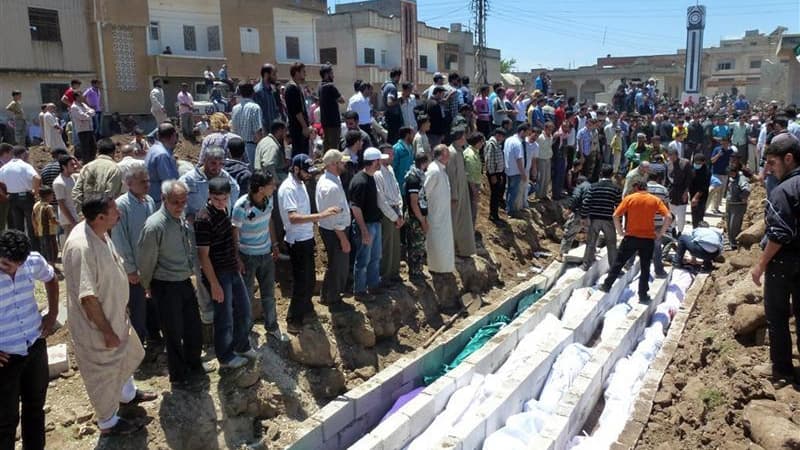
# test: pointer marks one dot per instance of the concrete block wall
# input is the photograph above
(368, 402)
(489, 357)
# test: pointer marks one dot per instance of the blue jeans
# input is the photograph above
(512, 193)
(97, 124)
(367, 270)
(231, 317)
(685, 243)
(262, 268)
(250, 151)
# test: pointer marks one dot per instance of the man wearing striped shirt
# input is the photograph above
(655, 186)
(23, 352)
(255, 233)
(598, 209)
(246, 122)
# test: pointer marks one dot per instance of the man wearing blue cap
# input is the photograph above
(295, 209)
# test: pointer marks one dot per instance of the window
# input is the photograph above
(423, 61)
(383, 58)
(327, 55)
(451, 62)
(248, 40)
(292, 47)
(155, 31)
(44, 25)
(725, 65)
(189, 41)
(369, 56)
(213, 38)
(755, 64)
(51, 93)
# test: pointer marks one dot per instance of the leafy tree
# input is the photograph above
(508, 65)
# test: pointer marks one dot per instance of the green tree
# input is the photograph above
(508, 65)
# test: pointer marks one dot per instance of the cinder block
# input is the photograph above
(57, 360)
(368, 442)
(309, 436)
(395, 433)
(421, 411)
(336, 415)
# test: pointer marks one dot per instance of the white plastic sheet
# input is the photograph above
(527, 346)
(577, 305)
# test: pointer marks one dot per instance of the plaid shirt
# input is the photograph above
(246, 119)
(493, 154)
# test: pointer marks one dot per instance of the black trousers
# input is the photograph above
(338, 266)
(299, 142)
(20, 215)
(782, 281)
(497, 190)
(179, 315)
(88, 147)
(24, 378)
(301, 254)
(629, 247)
(699, 212)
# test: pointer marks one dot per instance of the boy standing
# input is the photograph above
(45, 225)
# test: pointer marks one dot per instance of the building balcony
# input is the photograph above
(372, 73)
(183, 66)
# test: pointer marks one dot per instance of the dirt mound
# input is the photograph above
(717, 392)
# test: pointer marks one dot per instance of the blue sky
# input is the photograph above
(575, 32)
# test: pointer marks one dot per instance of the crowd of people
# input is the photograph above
(397, 177)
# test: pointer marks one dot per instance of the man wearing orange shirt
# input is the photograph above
(640, 233)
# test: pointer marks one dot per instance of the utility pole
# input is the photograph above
(480, 8)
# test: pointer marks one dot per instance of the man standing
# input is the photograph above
(390, 202)
(246, 121)
(494, 162)
(437, 114)
(367, 234)
(21, 182)
(739, 131)
(185, 110)
(258, 247)
(165, 269)
(218, 254)
(720, 160)
(135, 207)
(267, 98)
(473, 166)
(160, 162)
(439, 237)
(106, 349)
(236, 166)
(391, 101)
(82, 115)
(295, 209)
(698, 188)
(62, 188)
(23, 351)
(780, 259)
(157, 108)
(271, 154)
(51, 129)
(574, 223)
(359, 103)
(463, 228)
(655, 186)
(297, 109)
(679, 174)
(408, 105)
(329, 101)
(94, 98)
(416, 221)
(17, 114)
(403, 154)
(99, 177)
(542, 164)
(515, 154)
(634, 175)
(586, 147)
(334, 230)
(641, 208)
(599, 203)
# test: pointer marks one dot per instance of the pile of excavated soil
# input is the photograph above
(339, 351)
(717, 392)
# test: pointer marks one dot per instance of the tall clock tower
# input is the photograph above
(695, 24)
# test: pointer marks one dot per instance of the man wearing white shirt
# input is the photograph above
(390, 202)
(295, 209)
(157, 102)
(515, 156)
(334, 230)
(408, 103)
(62, 187)
(359, 103)
(21, 182)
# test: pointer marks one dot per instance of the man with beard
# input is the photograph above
(329, 100)
(463, 228)
(267, 97)
(297, 110)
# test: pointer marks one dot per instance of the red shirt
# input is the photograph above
(70, 94)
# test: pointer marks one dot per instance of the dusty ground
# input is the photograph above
(262, 403)
(716, 394)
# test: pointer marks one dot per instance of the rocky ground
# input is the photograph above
(717, 393)
(260, 404)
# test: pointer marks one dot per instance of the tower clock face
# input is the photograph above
(695, 17)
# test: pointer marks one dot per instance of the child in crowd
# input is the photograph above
(45, 224)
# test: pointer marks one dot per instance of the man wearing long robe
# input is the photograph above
(461, 211)
(439, 240)
(106, 348)
(51, 129)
